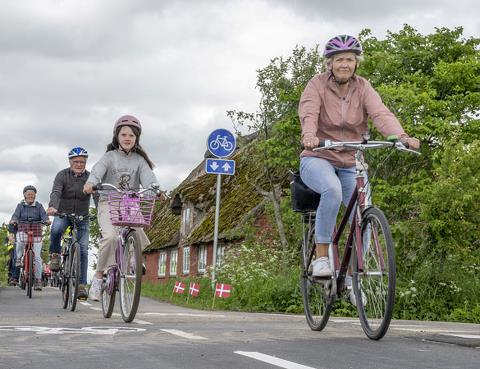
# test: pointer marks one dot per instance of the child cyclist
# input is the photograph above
(127, 166)
(29, 210)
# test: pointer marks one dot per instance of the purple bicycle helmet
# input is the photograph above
(341, 44)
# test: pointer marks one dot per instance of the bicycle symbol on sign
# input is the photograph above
(221, 142)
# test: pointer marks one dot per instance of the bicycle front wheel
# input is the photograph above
(374, 279)
(74, 276)
(316, 293)
(30, 278)
(130, 277)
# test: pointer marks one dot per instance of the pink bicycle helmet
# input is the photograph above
(341, 44)
(127, 120)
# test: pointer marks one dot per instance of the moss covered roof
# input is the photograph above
(165, 229)
(238, 200)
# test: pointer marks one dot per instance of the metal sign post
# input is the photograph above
(221, 143)
(215, 229)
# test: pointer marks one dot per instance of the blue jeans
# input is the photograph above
(335, 185)
(58, 228)
(15, 270)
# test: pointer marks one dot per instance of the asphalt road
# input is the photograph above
(37, 333)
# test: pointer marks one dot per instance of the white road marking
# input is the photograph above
(85, 303)
(474, 336)
(96, 308)
(419, 329)
(140, 321)
(427, 330)
(60, 330)
(183, 334)
(273, 360)
(185, 314)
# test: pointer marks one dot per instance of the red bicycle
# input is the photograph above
(28, 234)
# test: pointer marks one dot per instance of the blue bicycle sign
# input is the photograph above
(221, 143)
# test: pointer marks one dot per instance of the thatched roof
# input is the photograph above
(239, 201)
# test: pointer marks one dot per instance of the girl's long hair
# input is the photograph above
(114, 145)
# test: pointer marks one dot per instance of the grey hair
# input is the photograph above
(328, 61)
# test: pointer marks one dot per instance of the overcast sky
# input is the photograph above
(69, 68)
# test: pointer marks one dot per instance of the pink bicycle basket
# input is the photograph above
(130, 209)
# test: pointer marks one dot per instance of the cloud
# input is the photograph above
(69, 68)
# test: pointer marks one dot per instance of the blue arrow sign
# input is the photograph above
(220, 166)
(221, 143)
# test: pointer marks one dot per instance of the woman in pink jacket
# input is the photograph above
(336, 105)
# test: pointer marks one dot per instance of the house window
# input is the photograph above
(220, 255)
(186, 220)
(173, 261)
(186, 259)
(202, 259)
(162, 263)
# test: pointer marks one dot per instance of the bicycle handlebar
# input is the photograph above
(75, 217)
(101, 186)
(362, 145)
(31, 222)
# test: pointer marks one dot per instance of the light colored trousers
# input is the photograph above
(110, 237)
(37, 250)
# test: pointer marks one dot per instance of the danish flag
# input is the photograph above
(179, 287)
(194, 289)
(223, 290)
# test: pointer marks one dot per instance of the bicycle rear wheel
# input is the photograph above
(30, 277)
(376, 276)
(130, 277)
(74, 276)
(108, 292)
(316, 293)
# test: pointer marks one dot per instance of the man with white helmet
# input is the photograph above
(67, 197)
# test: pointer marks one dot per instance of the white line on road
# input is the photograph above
(427, 330)
(475, 336)
(85, 303)
(185, 314)
(140, 321)
(273, 360)
(183, 334)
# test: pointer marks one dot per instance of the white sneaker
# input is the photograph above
(95, 289)
(321, 267)
(351, 294)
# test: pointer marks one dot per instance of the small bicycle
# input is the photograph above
(368, 253)
(69, 272)
(128, 210)
(28, 234)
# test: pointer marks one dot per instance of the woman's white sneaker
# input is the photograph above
(95, 289)
(321, 267)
